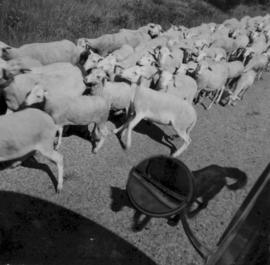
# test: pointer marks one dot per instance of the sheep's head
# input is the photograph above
(132, 74)
(92, 61)
(95, 77)
(5, 75)
(108, 63)
(37, 95)
(154, 30)
(83, 44)
(147, 59)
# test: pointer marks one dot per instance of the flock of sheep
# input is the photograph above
(146, 73)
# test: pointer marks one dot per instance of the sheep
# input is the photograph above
(178, 84)
(5, 77)
(147, 72)
(45, 53)
(235, 69)
(108, 43)
(117, 94)
(58, 78)
(211, 77)
(259, 63)
(162, 108)
(169, 61)
(215, 53)
(66, 110)
(142, 49)
(246, 80)
(258, 46)
(28, 131)
(92, 61)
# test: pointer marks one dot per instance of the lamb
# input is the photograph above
(92, 60)
(117, 94)
(211, 77)
(147, 72)
(28, 131)
(162, 108)
(45, 53)
(169, 61)
(246, 80)
(108, 43)
(80, 110)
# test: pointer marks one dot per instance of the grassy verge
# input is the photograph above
(24, 21)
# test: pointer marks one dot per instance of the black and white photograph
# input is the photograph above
(134, 132)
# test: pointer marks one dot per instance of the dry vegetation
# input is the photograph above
(23, 21)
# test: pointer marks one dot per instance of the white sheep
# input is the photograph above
(58, 78)
(212, 77)
(92, 61)
(246, 80)
(169, 60)
(258, 63)
(79, 110)
(108, 43)
(147, 72)
(117, 94)
(162, 108)
(28, 131)
(45, 53)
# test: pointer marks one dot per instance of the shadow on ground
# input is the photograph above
(33, 231)
(151, 130)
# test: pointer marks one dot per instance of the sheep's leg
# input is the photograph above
(184, 135)
(59, 139)
(213, 100)
(220, 94)
(122, 127)
(102, 132)
(259, 77)
(187, 141)
(57, 158)
(131, 125)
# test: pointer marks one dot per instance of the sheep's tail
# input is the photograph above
(238, 175)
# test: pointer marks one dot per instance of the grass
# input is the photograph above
(24, 21)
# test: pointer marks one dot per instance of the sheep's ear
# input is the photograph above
(25, 70)
(118, 68)
(154, 63)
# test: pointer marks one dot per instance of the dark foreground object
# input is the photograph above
(34, 231)
(246, 240)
